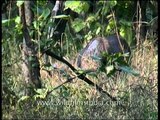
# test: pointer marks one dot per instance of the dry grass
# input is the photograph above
(138, 94)
(79, 100)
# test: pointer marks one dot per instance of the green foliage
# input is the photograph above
(78, 24)
(77, 6)
(6, 22)
(126, 30)
(129, 70)
(41, 93)
(19, 3)
(111, 63)
(44, 14)
(65, 92)
(110, 27)
(139, 94)
(62, 16)
(23, 98)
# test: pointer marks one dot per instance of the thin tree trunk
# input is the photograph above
(30, 65)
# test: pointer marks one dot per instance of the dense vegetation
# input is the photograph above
(47, 41)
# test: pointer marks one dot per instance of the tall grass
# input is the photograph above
(78, 100)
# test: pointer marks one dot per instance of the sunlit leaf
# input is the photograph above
(78, 25)
(45, 14)
(18, 20)
(109, 68)
(77, 6)
(19, 3)
(112, 3)
(98, 30)
(5, 22)
(126, 54)
(73, 5)
(23, 98)
(90, 18)
(41, 93)
(62, 16)
(35, 24)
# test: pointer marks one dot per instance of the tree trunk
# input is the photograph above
(30, 65)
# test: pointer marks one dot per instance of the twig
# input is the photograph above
(122, 48)
(68, 80)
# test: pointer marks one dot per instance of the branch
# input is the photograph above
(67, 81)
(80, 76)
(56, 7)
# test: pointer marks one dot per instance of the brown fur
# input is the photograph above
(110, 44)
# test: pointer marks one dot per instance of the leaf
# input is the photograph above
(109, 68)
(73, 5)
(45, 14)
(49, 68)
(66, 93)
(35, 65)
(23, 98)
(112, 72)
(88, 36)
(41, 93)
(78, 25)
(93, 74)
(19, 3)
(85, 6)
(62, 16)
(35, 24)
(5, 22)
(98, 30)
(129, 70)
(112, 3)
(97, 58)
(46, 43)
(111, 26)
(90, 18)
(126, 54)
(18, 20)
(77, 6)
(125, 23)
(31, 58)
